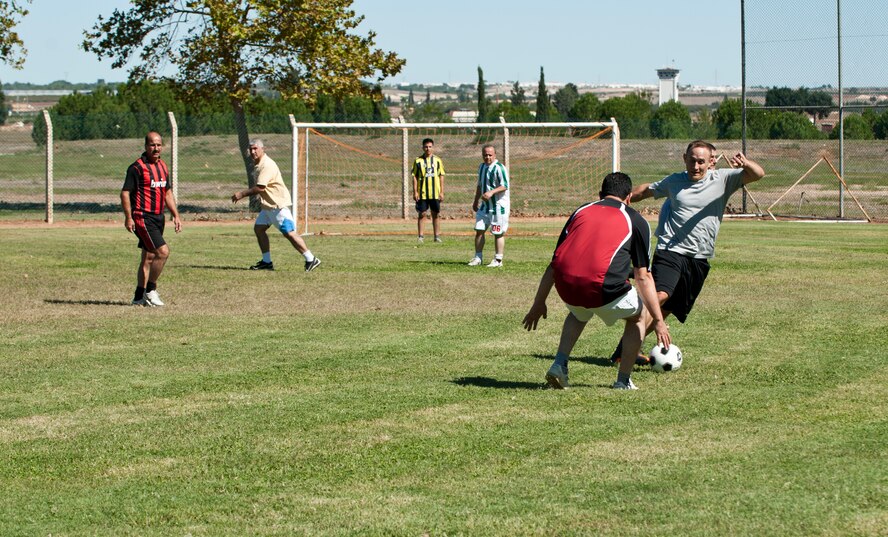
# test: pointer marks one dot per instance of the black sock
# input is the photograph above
(617, 352)
(140, 293)
(150, 287)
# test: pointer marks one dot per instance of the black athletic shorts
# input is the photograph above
(424, 205)
(681, 277)
(149, 229)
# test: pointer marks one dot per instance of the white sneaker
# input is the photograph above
(476, 261)
(624, 386)
(495, 263)
(556, 377)
(420, 239)
(152, 299)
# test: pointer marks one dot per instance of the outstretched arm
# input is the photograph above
(538, 309)
(751, 170)
(641, 192)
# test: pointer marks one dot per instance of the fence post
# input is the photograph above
(615, 160)
(49, 168)
(404, 172)
(294, 151)
(174, 154)
(505, 143)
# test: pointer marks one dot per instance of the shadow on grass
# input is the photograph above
(216, 267)
(600, 361)
(441, 263)
(88, 302)
(487, 382)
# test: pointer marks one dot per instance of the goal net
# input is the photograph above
(362, 171)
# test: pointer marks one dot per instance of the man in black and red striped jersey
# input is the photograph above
(146, 191)
(600, 247)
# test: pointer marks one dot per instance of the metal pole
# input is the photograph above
(305, 186)
(506, 145)
(174, 154)
(743, 88)
(405, 171)
(50, 198)
(841, 111)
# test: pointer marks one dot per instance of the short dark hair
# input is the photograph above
(700, 143)
(428, 141)
(616, 184)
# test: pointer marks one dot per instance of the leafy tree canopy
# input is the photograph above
(12, 50)
(298, 48)
(671, 120)
(565, 98)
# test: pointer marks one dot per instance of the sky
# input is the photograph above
(579, 41)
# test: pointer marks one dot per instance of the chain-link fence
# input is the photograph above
(87, 176)
(814, 72)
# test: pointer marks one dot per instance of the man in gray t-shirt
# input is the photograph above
(689, 222)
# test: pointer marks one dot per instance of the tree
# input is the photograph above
(587, 108)
(632, 112)
(565, 98)
(793, 126)
(517, 95)
(856, 128)
(671, 120)
(880, 126)
(483, 101)
(542, 102)
(12, 50)
(512, 113)
(428, 96)
(300, 49)
(703, 127)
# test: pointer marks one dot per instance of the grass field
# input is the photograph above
(393, 391)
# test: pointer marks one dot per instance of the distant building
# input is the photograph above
(463, 116)
(668, 85)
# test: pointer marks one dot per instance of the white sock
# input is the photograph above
(309, 257)
(498, 257)
(266, 257)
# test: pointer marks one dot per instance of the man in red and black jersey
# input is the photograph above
(146, 190)
(600, 247)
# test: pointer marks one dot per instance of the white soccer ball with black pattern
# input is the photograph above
(665, 360)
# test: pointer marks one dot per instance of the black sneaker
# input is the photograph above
(262, 265)
(311, 265)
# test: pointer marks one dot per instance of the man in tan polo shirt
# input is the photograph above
(275, 198)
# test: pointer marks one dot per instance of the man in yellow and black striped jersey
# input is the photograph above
(428, 187)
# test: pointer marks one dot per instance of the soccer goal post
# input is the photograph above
(348, 171)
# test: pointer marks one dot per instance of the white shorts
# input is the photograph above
(498, 223)
(628, 305)
(281, 218)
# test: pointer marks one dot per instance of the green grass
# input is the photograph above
(393, 391)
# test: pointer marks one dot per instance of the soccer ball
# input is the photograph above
(669, 360)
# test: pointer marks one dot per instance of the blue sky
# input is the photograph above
(593, 41)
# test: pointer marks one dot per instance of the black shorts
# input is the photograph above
(149, 229)
(681, 277)
(424, 205)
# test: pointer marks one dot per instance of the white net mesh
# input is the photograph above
(359, 172)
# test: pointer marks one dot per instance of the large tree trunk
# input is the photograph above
(243, 142)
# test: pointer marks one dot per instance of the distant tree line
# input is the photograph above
(639, 118)
(131, 109)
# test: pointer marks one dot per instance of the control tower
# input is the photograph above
(668, 84)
